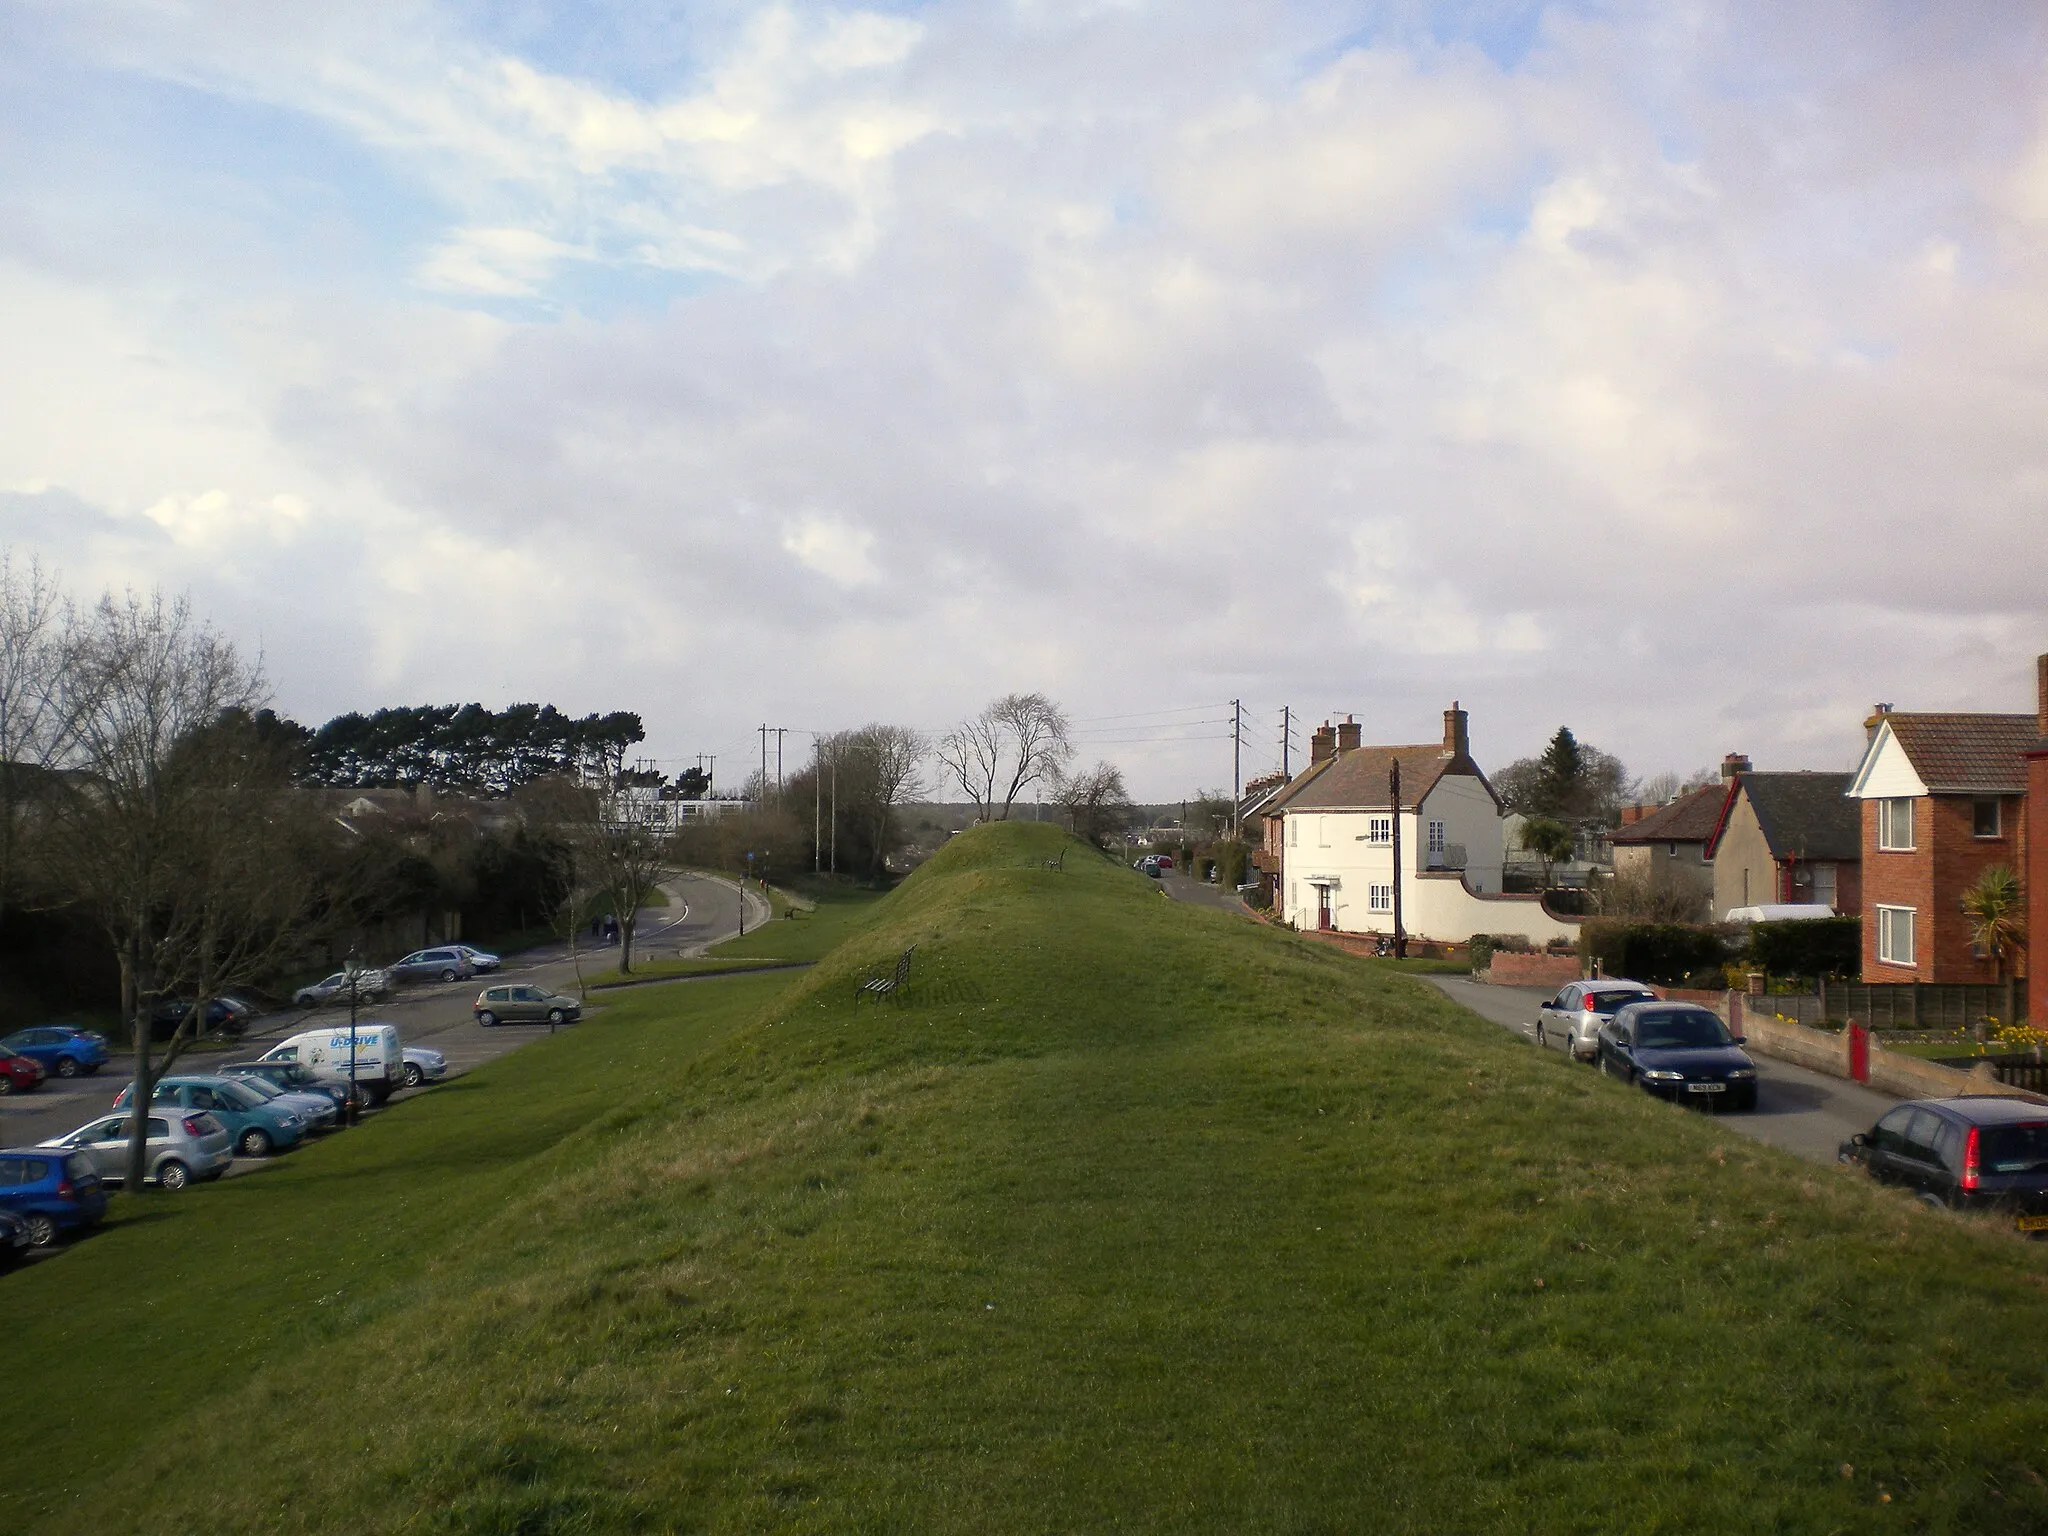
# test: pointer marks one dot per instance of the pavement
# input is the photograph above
(1803, 1112)
(702, 910)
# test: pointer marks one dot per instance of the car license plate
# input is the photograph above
(1706, 1087)
(2033, 1224)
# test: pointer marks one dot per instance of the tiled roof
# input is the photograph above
(1688, 819)
(1357, 780)
(1807, 815)
(1967, 754)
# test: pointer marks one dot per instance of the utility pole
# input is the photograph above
(1286, 740)
(1236, 766)
(780, 732)
(817, 812)
(1394, 794)
(764, 762)
(835, 813)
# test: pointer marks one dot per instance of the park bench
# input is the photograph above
(881, 983)
(1059, 865)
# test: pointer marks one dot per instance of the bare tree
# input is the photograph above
(1019, 740)
(1097, 805)
(145, 682)
(37, 637)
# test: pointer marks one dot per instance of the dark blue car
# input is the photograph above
(1678, 1051)
(65, 1050)
(52, 1191)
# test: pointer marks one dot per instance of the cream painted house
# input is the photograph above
(1336, 836)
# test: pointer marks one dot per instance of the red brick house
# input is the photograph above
(1943, 798)
(2037, 843)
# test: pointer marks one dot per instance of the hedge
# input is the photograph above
(1829, 946)
(1669, 954)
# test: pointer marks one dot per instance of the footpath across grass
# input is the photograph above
(1124, 1214)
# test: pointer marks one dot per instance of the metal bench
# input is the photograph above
(1059, 865)
(881, 983)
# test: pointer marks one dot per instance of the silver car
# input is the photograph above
(1571, 1020)
(371, 985)
(445, 963)
(423, 1065)
(182, 1146)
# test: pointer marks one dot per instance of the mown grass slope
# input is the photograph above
(1127, 1214)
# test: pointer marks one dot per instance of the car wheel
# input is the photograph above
(171, 1175)
(448, 975)
(66, 1067)
(1927, 1197)
(413, 1075)
(6, 1083)
(487, 1018)
(42, 1231)
(254, 1142)
(557, 1017)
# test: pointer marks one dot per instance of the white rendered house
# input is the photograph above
(1336, 837)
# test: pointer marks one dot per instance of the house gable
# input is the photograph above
(1886, 772)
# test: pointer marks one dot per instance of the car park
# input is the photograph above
(1571, 1020)
(257, 1126)
(19, 1073)
(423, 1065)
(324, 1054)
(524, 1005)
(1977, 1153)
(1678, 1051)
(14, 1240)
(181, 1146)
(222, 1016)
(64, 1050)
(479, 959)
(442, 964)
(370, 986)
(52, 1191)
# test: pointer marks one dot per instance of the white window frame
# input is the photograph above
(1379, 898)
(1379, 831)
(1294, 831)
(1889, 813)
(1888, 932)
(1436, 837)
(1322, 831)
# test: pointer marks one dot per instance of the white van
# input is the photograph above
(380, 1058)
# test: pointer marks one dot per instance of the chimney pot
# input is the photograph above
(1322, 744)
(1457, 732)
(1347, 735)
(1734, 763)
(1877, 714)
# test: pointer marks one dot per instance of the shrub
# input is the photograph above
(1830, 946)
(1231, 858)
(1669, 954)
(1481, 947)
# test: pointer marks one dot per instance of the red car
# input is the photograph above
(19, 1073)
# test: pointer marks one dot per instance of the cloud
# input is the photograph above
(831, 364)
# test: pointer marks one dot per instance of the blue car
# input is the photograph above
(65, 1050)
(51, 1192)
(258, 1125)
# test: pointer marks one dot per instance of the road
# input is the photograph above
(1200, 892)
(702, 910)
(1803, 1112)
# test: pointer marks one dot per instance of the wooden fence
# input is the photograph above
(1896, 1007)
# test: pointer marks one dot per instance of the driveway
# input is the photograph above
(1803, 1112)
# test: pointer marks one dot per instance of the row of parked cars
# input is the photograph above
(445, 962)
(198, 1123)
(1977, 1153)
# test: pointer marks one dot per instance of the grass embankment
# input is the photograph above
(673, 970)
(1129, 1214)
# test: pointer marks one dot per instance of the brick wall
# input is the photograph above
(1513, 970)
(2037, 883)
(1897, 880)
(1931, 879)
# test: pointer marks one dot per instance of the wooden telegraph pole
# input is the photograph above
(1394, 794)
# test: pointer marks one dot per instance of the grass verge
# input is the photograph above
(1126, 1214)
(668, 970)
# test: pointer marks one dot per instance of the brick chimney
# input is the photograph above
(1347, 735)
(1457, 732)
(2041, 694)
(1877, 714)
(1322, 744)
(2034, 818)
(1733, 764)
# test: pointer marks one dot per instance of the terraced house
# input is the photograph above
(1943, 798)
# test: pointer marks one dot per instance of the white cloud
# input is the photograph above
(833, 549)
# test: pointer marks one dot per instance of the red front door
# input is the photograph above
(1325, 919)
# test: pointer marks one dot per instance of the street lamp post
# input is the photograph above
(355, 1100)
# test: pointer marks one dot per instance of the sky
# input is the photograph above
(1677, 372)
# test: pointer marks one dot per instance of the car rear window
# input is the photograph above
(2013, 1148)
(1610, 1003)
(208, 1126)
(1678, 1029)
(78, 1169)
